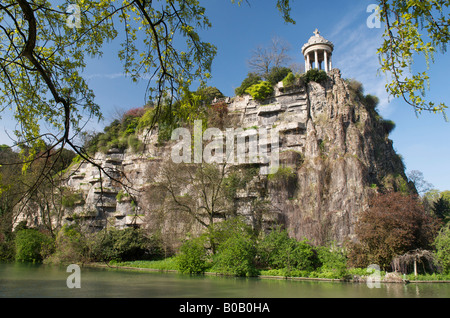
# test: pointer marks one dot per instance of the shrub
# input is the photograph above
(135, 143)
(220, 232)
(69, 198)
(314, 75)
(371, 101)
(7, 249)
(261, 90)
(192, 258)
(251, 79)
(289, 80)
(356, 88)
(300, 255)
(209, 94)
(124, 245)
(270, 247)
(236, 256)
(277, 74)
(283, 173)
(442, 244)
(29, 245)
(70, 246)
(388, 125)
(277, 250)
(332, 259)
(146, 120)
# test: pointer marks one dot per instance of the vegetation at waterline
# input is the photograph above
(242, 251)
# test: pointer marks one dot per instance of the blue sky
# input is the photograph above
(422, 140)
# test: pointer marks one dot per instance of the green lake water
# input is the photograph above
(28, 280)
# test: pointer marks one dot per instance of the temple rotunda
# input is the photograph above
(317, 52)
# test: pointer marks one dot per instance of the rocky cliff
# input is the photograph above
(334, 152)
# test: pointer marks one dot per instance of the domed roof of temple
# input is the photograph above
(317, 39)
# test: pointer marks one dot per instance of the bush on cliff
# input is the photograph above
(315, 75)
(261, 90)
(251, 79)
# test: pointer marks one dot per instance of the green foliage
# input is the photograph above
(277, 74)
(261, 90)
(191, 107)
(315, 75)
(30, 245)
(332, 259)
(135, 143)
(277, 250)
(355, 87)
(441, 209)
(388, 125)
(209, 94)
(166, 264)
(121, 134)
(121, 195)
(283, 173)
(44, 70)
(442, 245)
(238, 179)
(233, 226)
(146, 120)
(412, 30)
(70, 247)
(124, 245)
(251, 79)
(7, 251)
(192, 257)
(236, 256)
(270, 248)
(289, 80)
(371, 101)
(69, 198)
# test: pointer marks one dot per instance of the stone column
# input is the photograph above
(316, 56)
(325, 60)
(308, 65)
(330, 67)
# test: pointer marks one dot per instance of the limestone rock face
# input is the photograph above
(346, 155)
(335, 147)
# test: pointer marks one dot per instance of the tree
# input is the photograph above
(264, 59)
(35, 194)
(30, 245)
(44, 51)
(44, 54)
(413, 29)
(277, 74)
(429, 198)
(441, 209)
(417, 178)
(394, 224)
(251, 79)
(442, 244)
(196, 190)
